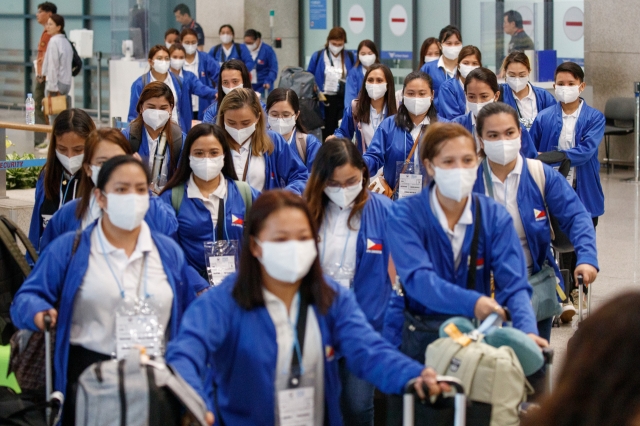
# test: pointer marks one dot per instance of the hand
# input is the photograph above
(137, 156)
(209, 418)
(330, 137)
(266, 86)
(542, 343)
(588, 272)
(428, 378)
(38, 319)
(485, 306)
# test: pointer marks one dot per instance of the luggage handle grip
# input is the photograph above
(454, 382)
(547, 353)
(47, 322)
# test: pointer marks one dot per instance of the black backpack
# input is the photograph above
(76, 62)
(304, 84)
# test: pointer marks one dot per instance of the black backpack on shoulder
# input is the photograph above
(76, 62)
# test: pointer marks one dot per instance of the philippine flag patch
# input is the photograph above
(329, 353)
(374, 246)
(539, 215)
(237, 220)
(480, 263)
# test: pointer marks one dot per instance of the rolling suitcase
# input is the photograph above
(444, 412)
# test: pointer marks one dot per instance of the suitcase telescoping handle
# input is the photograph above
(580, 295)
(547, 353)
(408, 401)
(47, 363)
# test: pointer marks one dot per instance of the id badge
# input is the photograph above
(332, 79)
(254, 76)
(410, 179)
(45, 220)
(135, 331)
(221, 259)
(296, 406)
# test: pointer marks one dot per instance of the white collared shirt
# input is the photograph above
(169, 82)
(415, 133)
(450, 74)
(93, 212)
(329, 71)
(153, 145)
(456, 237)
(506, 193)
(313, 354)
(93, 321)
(367, 130)
(254, 71)
(338, 245)
(256, 174)
(527, 105)
(226, 51)
(212, 203)
(567, 138)
(193, 68)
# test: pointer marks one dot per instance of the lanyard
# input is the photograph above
(120, 287)
(298, 343)
(489, 182)
(63, 198)
(324, 242)
(246, 165)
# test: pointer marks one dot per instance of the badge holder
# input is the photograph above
(342, 274)
(411, 179)
(332, 79)
(221, 258)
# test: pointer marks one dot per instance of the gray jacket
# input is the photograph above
(57, 65)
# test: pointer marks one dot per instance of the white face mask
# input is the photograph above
(73, 164)
(252, 47)
(417, 106)
(284, 126)
(376, 91)
(343, 197)
(288, 261)
(190, 49)
(367, 60)
(240, 135)
(161, 67)
(335, 49)
(206, 168)
(127, 211)
(451, 52)
(503, 151)
(166, 43)
(227, 90)
(226, 38)
(517, 83)
(455, 184)
(155, 118)
(428, 59)
(476, 107)
(95, 171)
(466, 69)
(567, 94)
(177, 64)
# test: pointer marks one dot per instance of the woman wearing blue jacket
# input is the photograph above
(367, 55)
(159, 63)
(228, 49)
(481, 89)
(83, 281)
(283, 110)
(510, 179)
(518, 92)
(395, 144)
(447, 244)
(353, 249)
(281, 303)
(261, 157)
(203, 66)
(375, 102)
(451, 101)
(59, 180)
(204, 185)
(446, 67)
(263, 76)
(101, 145)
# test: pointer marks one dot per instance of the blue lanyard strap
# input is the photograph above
(297, 370)
(63, 198)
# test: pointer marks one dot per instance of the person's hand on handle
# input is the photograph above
(588, 272)
(485, 306)
(209, 418)
(542, 343)
(266, 86)
(38, 319)
(428, 378)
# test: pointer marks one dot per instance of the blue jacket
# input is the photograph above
(50, 285)
(159, 217)
(266, 67)
(313, 145)
(451, 102)
(208, 71)
(423, 258)
(217, 53)
(211, 112)
(544, 99)
(355, 78)
(216, 328)
(284, 168)
(563, 204)
(316, 67)
(191, 85)
(144, 147)
(195, 226)
(527, 149)
(438, 76)
(183, 103)
(348, 128)
(545, 133)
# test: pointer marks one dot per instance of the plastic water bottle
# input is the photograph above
(30, 106)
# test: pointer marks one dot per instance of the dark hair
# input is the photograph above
(253, 34)
(227, 26)
(495, 108)
(108, 135)
(470, 51)
(484, 75)
(155, 49)
(188, 31)
(371, 45)
(176, 46)
(112, 164)
(572, 68)
(403, 119)
(248, 286)
(332, 154)
(183, 171)
(362, 111)
(183, 9)
(518, 57)
(74, 120)
(599, 380)
(436, 136)
(289, 96)
(47, 6)
(59, 21)
(237, 65)
(448, 31)
(171, 31)
(515, 17)
(336, 33)
(425, 47)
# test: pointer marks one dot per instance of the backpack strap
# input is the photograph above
(301, 144)
(245, 193)
(216, 49)
(76, 240)
(135, 135)
(536, 169)
(8, 240)
(145, 79)
(176, 142)
(15, 229)
(177, 194)
(238, 51)
(473, 256)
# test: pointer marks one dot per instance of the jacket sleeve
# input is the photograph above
(273, 68)
(164, 218)
(212, 68)
(54, 228)
(447, 102)
(527, 149)
(291, 168)
(347, 128)
(547, 99)
(246, 57)
(210, 113)
(535, 132)
(415, 265)
(34, 226)
(136, 90)
(394, 320)
(351, 87)
(374, 157)
(368, 355)
(592, 135)
(313, 64)
(197, 88)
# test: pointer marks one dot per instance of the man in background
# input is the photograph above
(512, 25)
(183, 17)
(45, 10)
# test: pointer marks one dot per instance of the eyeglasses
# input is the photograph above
(283, 115)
